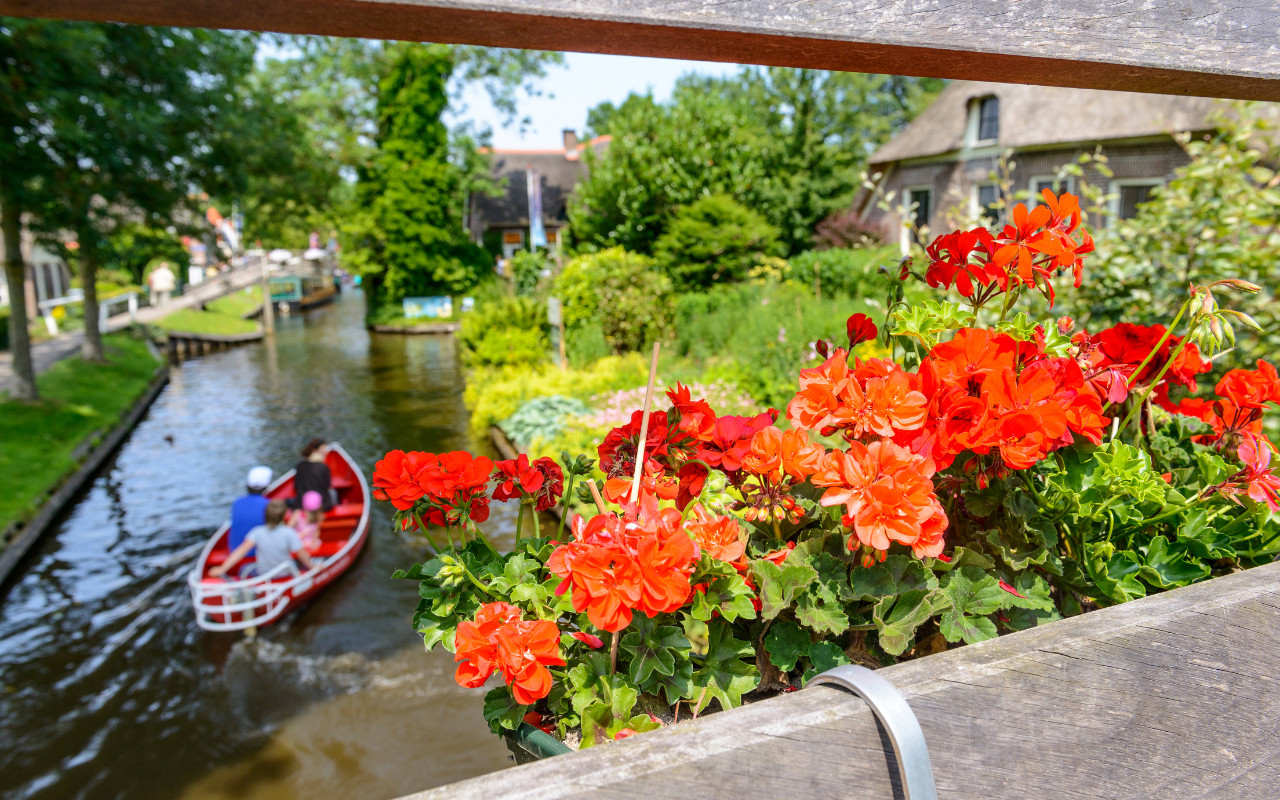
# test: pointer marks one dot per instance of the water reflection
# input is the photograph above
(107, 688)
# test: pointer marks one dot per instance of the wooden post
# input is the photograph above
(268, 310)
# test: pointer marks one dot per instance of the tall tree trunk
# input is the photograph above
(91, 349)
(15, 272)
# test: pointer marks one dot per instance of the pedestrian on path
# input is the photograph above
(161, 282)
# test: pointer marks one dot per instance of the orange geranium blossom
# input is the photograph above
(520, 649)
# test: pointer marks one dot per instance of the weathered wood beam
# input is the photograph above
(1193, 47)
(1172, 696)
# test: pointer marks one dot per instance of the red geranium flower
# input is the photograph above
(516, 479)
(860, 329)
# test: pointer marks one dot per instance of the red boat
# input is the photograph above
(226, 605)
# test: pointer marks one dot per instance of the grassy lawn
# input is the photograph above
(237, 304)
(36, 441)
(189, 320)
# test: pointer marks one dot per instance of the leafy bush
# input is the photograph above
(852, 272)
(714, 240)
(755, 336)
(512, 330)
(541, 416)
(526, 271)
(847, 229)
(494, 394)
(623, 292)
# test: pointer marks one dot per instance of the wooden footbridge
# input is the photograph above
(1171, 696)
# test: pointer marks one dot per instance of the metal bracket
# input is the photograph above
(898, 719)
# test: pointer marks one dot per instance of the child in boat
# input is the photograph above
(306, 520)
(275, 543)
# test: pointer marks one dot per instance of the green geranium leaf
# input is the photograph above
(963, 627)
(971, 594)
(1114, 572)
(926, 320)
(1167, 566)
(1201, 539)
(1035, 590)
(963, 557)
(786, 643)
(897, 574)
(652, 648)
(501, 710)
(897, 618)
(824, 656)
(779, 586)
(727, 672)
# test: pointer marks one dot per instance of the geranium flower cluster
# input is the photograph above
(450, 488)
(618, 565)
(499, 638)
(1039, 243)
(1236, 415)
(452, 484)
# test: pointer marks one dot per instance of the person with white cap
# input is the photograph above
(250, 509)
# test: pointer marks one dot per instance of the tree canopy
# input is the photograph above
(786, 142)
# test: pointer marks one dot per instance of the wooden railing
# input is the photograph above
(1203, 47)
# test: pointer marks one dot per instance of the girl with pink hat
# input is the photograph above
(306, 520)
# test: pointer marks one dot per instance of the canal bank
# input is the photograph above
(107, 688)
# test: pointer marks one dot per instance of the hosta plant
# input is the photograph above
(1000, 473)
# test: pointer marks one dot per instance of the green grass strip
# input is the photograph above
(37, 440)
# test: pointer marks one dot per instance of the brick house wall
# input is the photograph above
(952, 180)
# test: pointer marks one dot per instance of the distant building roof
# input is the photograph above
(559, 170)
(1033, 116)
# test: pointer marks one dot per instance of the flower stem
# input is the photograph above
(422, 527)
(479, 534)
(519, 519)
(613, 653)
(564, 509)
(1151, 387)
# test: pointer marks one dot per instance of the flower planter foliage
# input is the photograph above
(998, 474)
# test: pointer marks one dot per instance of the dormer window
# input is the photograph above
(984, 121)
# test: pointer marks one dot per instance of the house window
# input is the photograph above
(988, 119)
(1129, 193)
(919, 209)
(986, 198)
(1058, 186)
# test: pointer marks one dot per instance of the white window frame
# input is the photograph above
(975, 202)
(1113, 190)
(904, 241)
(974, 123)
(1034, 199)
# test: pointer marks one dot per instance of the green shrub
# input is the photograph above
(623, 292)
(715, 240)
(541, 417)
(756, 336)
(853, 272)
(495, 393)
(512, 330)
(526, 271)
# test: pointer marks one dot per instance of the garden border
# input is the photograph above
(1170, 694)
(69, 486)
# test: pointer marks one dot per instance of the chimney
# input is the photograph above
(570, 140)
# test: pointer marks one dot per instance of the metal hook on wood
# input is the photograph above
(898, 719)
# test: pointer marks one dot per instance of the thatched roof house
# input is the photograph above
(501, 223)
(939, 169)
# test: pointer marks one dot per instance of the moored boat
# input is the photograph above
(232, 605)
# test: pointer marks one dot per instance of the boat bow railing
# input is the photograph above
(256, 598)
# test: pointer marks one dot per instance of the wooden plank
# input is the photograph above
(1193, 47)
(1171, 696)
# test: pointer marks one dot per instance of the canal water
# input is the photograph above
(108, 688)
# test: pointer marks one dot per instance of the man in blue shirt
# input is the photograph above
(249, 510)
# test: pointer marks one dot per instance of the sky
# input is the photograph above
(568, 93)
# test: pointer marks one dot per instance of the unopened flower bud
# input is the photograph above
(1237, 284)
(1065, 324)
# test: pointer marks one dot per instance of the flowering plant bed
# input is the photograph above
(998, 474)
